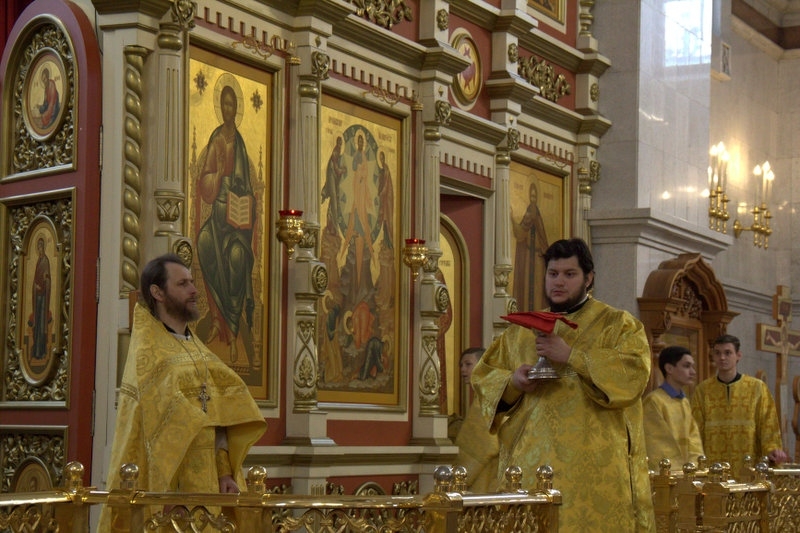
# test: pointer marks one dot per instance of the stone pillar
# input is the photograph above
(169, 146)
(502, 302)
(308, 277)
(429, 424)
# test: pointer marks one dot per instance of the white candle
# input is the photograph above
(757, 173)
(723, 178)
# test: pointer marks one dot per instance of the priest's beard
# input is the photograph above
(568, 306)
(180, 310)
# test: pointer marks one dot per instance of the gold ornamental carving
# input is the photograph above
(267, 50)
(594, 92)
(168, 207)
(443, 112)
(181, 519)
(309, 238)
(34, 372)
(685, 291)
(18, 447)
(43, 113)
(512, 306)
(382, 94)
(319, 278)
(429, 377)
(320, 65)
(543, 75)
(442, 19)
(501, 274)
(183, 249)
(431, 263)
(442, 298)
(305, 368)
(183, 12)
(512, 139)
(385, 13)
(594, 171)
(513, 53)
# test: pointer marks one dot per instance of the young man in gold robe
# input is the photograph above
(670, 430)
(587, 424)
(735, 412)
(185, 418)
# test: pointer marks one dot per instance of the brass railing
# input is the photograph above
(765, 500)
(446, 509)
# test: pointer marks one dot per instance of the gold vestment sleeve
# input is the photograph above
(223, 463)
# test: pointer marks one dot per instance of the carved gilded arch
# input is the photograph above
(683, 300)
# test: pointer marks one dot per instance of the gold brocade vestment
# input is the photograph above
(736, 419)
(478, 452)
(670, 430)
(161, 426)
(587, 425)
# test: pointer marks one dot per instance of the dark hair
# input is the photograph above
(727, 339)
(155, 273)
(670, 356)
(575, 247)
(475, 350)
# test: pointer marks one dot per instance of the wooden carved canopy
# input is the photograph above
(684, 299)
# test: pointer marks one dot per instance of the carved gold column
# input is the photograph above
(132, 168)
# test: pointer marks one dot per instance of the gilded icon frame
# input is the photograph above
(41, 276)
(236, 326)
(49, 63)
(31, 476)
(553, 9)
(33, 452)
(360, 347)
(43, 379)
(551, 190)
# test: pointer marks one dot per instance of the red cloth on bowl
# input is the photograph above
(543, 321)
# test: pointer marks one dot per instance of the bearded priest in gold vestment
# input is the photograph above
(185, 418)
(587, 423)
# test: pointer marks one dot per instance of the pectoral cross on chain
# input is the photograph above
(203, 397)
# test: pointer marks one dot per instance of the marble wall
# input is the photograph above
(670, 98)
(650, 198)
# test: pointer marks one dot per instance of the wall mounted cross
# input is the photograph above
(781, 340)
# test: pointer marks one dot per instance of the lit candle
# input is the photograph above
(413, 242)
(757, 173)
(712, 169)
(290, 213)
(766, 171)
(769, 177)
(723, 175)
